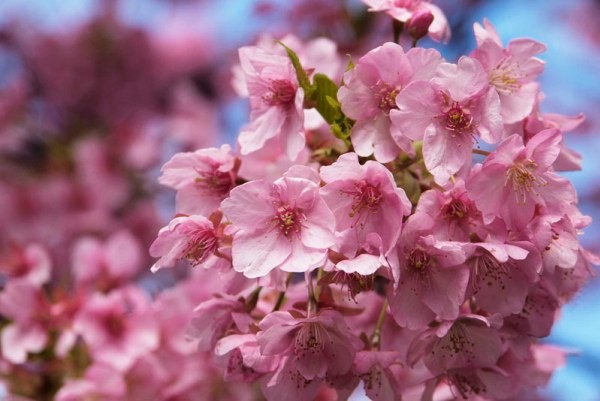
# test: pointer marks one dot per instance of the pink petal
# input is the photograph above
(257, 253)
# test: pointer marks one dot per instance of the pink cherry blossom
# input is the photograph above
(369, 94)
(447, 114)
(365, 201)
(556, 237)
(243, 357)
(212, 318)
(27, 306)
(378, 380)
(106, 264)
(202, 179)
(315, 348)
(511, 71)
(517, 178)
(502, 275)
(285, 224)
(455, 215)
(275, 102)
(538, 314)
(29, 264)
(536, 122)
(432, 279)
(187, 237)
(469, 342)
(117, 327)
(404, 10)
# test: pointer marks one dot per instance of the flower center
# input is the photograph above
(524, 180)
(310, 339)
(282, 93)
(202, 244)
(458, 120)
(355, 282)
(505, 78)
(458, 210)
(216, 182)
(288, 219)
(365, 196)
(468, 384)
(418, 260)
(387, 97)
(487, 270)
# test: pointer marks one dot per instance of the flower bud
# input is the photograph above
(419, 24)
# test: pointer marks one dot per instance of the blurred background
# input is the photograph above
(98, 94)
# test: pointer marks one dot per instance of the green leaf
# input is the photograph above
(323, 94)
(300, 72)
(326, 98)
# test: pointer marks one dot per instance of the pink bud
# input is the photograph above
(419, 23)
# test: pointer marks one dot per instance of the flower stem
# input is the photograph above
(376, 337)
(253, 299)
(312, 305)
(397, 27)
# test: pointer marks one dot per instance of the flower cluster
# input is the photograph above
(400, 224)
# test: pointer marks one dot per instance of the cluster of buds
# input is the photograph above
(398, 221)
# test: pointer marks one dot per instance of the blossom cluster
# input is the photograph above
(388, 222)
(397, 221)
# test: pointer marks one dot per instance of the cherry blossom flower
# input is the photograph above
(285, 224)
(369, 94)
(432, 279)
(114, 337)
(378, 381)
(202, 179)
(275, 101)
(187, 237)
(455, 214)
(27, 306)
(212, 318)
(365, 201)
(315, 348)
(468, 342)
(517, 178)
(447, 114)
(502, 275)
(404, 10)
(105, 264)
(29, 264)
(511, 71)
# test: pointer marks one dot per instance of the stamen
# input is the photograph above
(288, 219)
(524, 180)
(200, 246)
(366, 196)
(310, 339)
(487, 270)
(215, 182)
(418, 260)
(456, 209)
(505, 78)
(282, 93)
(386, 95)
(458, 120)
